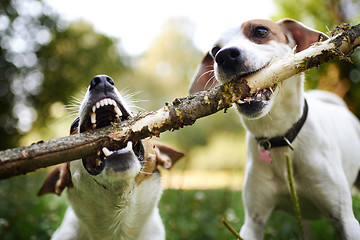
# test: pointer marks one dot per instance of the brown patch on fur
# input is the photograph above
(276, 32)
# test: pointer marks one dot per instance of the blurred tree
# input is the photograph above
(42, 62)
(170, 61)
(164, 73)
(339, 77)
(24, 28)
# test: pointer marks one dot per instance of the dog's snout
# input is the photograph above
(228, 58)
(101, 82)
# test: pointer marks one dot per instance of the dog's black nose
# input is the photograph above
(101, 82)
(228, 58)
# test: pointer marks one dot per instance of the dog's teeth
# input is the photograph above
(98, 162)
(93, 117)
(118, 111)
(129, 146)
(113, 102)
(102, 102)
(106, 152)
(93, 108)
(97, 105)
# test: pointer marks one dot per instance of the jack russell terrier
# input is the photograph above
(114, 194)
(316, 129)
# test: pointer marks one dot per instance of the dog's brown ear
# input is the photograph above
(57, 180)
(303, 35)
(204, 77)
(166, 155)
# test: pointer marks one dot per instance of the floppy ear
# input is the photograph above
(57, 180)
(204, 77)
(302, 35)
(166, 155)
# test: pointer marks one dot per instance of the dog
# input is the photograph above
(317, 131)
(113, 194)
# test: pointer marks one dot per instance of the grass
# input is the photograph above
(187, 214)
(197, 214)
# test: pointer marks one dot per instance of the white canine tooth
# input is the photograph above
(97, 105)
(93, 117)
(113, 102)
(107, 152)
(129, 146)
(94, 108)
(118, 111)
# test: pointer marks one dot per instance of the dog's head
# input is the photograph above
(111, 168)
(244, 50)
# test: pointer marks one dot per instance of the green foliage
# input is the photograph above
(196, 214)
(25, 216)
(71, 60)
(336, 76)
(25, 28)
(43, 61)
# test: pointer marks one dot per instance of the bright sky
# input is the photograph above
(138, 22)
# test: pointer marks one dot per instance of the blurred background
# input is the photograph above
(50, 50)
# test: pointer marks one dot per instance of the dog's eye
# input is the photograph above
(261, 32)
(214, 51)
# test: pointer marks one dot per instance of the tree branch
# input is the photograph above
(181, 112)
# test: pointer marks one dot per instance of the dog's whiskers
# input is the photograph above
(212, 84)
(207, 72)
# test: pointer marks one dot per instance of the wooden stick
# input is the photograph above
(181, 112)
(231, 229)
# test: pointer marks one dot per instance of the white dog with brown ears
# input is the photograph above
(113, 194)
(320, 134)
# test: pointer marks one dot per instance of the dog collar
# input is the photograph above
(288, 138)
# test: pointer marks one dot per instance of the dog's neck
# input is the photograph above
(114, 216)
(287, 109)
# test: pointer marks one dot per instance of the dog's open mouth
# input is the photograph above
(259, 96)
(104, 113)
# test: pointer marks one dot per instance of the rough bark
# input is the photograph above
(181, 112)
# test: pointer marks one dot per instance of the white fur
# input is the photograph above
(123, 211)
(326, 156)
